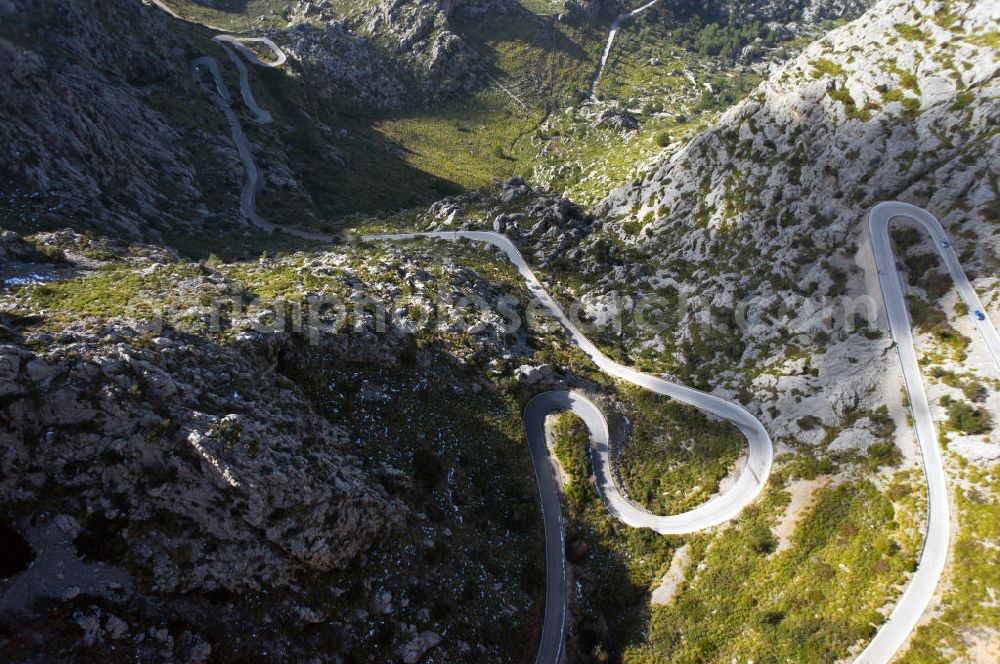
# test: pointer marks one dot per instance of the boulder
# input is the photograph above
(417, 647)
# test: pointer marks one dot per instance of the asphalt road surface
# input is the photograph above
(918, 593)
(223, 100)
(896, 630)
(232, 44)
(718, 510)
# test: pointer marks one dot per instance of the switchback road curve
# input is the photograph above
(918, 593)
(896, 630)
(920, 589)
(232, 44)
(718, 510)
(223, 99)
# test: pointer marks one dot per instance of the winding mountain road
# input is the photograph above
(718, 510)
(223, 100)
(918, 593)
(232, 44)
(894, 633)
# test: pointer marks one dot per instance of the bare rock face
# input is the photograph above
(416, 648)
(337, 57)
(143, 434)
(79, 136)
(394, 53)
(14, 248)
(421, 37)
(815, 11)
(549, 224)
(533, 375)
(617, 119)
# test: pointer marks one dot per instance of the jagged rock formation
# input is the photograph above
(334, 56)
(114, 416)
(169, 457)
(548, 226)
(395, 53)
(419, 35)
(14, 248)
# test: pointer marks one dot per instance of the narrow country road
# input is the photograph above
(896, 630)
(718, 510)
(223, 100)
(232, 44)
(894, 633)
(615, 26)
(556, 589)
(917, 596)
(239, 43)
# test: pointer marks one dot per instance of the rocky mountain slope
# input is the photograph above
(758, 222)
(745, 248)
(107, 126)
(391, 53)
(178, 462)
(85, 135)
(192, 456)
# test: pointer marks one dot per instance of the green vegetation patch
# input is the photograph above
(809, 603)
(969, 620)
(469, 147)
(612, 563)
(676, 456)
(741, 598)
(112, 291)
(913, 33)
(823, 67)
(966, 418)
